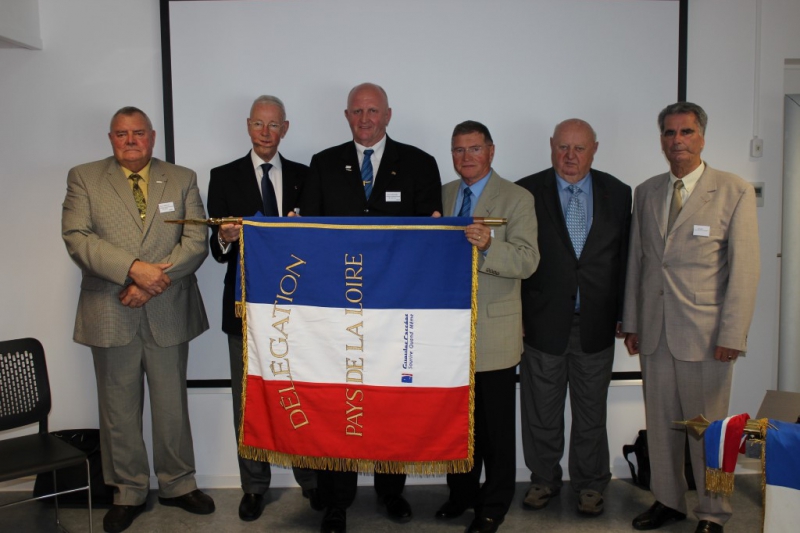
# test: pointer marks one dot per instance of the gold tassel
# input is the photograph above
(719, 482)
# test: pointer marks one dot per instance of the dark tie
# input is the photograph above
(466, 203)
(268, 200)
(676, 205)
(138, 196)
(366, 172)
(576, 219)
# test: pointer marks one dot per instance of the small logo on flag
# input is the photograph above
(407, 378)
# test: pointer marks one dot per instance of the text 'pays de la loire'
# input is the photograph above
(279, 343)
(354, 366)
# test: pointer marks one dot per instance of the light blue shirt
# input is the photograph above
(585, 186)
(476, 189)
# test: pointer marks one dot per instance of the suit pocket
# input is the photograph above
(505, 308)
(707, 297)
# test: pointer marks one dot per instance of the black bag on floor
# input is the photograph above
(88, 441)
(640, 451)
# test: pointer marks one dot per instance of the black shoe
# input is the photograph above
(334, 521)
(397, 508)
(251, 506)
(655, 517)
(707, 526)
(482, 524)
(450, 509)
(120, 517)
(194, 502)
(314, 498)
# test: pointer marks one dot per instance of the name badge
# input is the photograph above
(166, 207)
(392, 196)
(702, 231)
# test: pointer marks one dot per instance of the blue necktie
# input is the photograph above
(269, 203)
(576, 220)
(366, 172)
(466, 203)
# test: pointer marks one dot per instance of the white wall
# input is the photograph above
(100, 55)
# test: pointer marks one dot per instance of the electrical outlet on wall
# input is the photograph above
(756, 147)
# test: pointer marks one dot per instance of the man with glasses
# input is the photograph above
(508, 254)
(371, 175)
(265, 182)
(571, 311)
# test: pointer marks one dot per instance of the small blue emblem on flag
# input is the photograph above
(407, 378)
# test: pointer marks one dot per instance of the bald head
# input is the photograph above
(368, 113)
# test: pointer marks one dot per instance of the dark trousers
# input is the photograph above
(338, 489)
(544, 380)
(495, 447)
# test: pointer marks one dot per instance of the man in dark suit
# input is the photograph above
(571, 310)
(139, 307)
(372, 175)
(238, 189)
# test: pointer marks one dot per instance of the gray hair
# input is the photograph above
(472, 126)
(684, 108)
(128, 111)
(268, 99)
(577, 122)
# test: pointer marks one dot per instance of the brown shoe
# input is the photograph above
(655, 517)
(590, 503)
(538, 496)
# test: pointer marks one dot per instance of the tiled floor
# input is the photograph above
(288, 511)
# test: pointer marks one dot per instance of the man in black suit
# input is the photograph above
(571, 311)
(372, 175)
(238, 189)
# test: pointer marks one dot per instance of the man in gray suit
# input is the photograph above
(690, 293)
(139, 307)
(508, 254)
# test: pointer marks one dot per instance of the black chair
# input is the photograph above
(24, 400)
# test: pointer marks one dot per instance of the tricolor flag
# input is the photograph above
(782, 471)
(723, 440)
(359, 343)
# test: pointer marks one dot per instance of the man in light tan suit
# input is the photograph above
(690, 293)
(139, 306)
(507, 255)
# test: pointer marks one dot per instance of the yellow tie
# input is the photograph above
(676, 204)
(138, 195)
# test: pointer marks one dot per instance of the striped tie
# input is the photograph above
(366, 172)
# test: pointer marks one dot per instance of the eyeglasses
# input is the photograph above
(258, 125)
(471, 150)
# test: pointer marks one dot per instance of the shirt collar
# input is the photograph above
(257, 161)
(690, 179)
(585, 184)
(378, 148)
(144, 173)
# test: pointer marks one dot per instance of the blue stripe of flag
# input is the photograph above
(400, 268)
(783, 455)
(711, 438)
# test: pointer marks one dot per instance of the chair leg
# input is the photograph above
(89, 492)
(55, 498)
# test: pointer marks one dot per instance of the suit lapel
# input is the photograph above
(552, 206)
(350, 169)
(701, 195)
(387, 172)
(118, 182)
(488, 200)
(155, 191)
(291, 186)
(657, 202)
(247, 183)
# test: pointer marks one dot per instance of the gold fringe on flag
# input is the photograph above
(719, 482)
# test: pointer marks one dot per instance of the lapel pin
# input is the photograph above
(394, 173)
(348, 168)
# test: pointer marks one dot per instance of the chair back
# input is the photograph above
(24, 386)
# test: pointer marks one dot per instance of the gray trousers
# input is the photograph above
(255, 475)
(680, 390)
(120, 374)
(544, 380)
